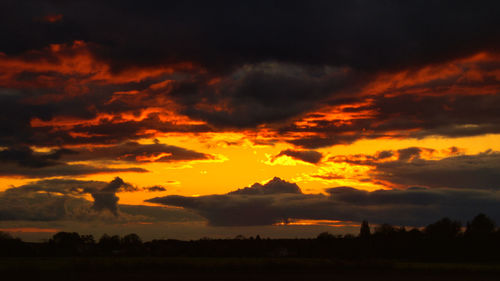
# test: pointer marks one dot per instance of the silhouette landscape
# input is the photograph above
(249, 140)
(440, 250)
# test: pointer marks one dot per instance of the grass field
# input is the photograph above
(261, 269)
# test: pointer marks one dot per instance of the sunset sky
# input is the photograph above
(195, 119)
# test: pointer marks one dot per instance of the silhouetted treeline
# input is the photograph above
(444, 240)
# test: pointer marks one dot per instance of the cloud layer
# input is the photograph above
(410, 167)
(135, 71)
(413, 206)
(66, 200)
(22, 161)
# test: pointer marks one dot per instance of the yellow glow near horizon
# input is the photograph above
(240, 163)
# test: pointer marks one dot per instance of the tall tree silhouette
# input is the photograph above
(481, 226)
(364, 231)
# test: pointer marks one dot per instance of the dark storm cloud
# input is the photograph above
(264, 93)
(309, 156)
(254, 63)
(364, 34)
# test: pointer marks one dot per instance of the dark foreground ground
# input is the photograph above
(261, 269)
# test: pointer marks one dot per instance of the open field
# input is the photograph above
(144, 268)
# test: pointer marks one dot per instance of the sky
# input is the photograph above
(196, 119)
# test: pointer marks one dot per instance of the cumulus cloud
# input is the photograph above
(413, 206)
(64, 200)
(105, 198)
(104, 194)
(274, 186)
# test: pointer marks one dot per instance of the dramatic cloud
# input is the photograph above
(263, 93)
(406, 116)
(155, 188)
(413, 206)
(464, 171)
(104, 194)
(26, 157)
(22, 161)
(82, 95)
(70, 80)
(408, 167)
(309, 156)
(106, 199)
(274, 186)
(135, 152)
(388, 33)
(62, 199)
(12, 170)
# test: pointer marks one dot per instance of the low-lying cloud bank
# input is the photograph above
(66, 200)
(411, 207)
(413, 167)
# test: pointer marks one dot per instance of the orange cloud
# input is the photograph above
(471, 75)
(30, 230)
(75, 60)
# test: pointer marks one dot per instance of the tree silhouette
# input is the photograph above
(325, 236)
(364, 232)
(131, 239)
(385, 229)
(109, 244)
(67, 243)
(480, 227)
(443, 229)
(439, 241)
(131, 244)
